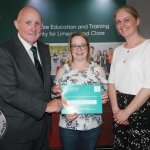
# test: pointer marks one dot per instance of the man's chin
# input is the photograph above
(31, 42)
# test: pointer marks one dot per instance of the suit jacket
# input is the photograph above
(23, 95)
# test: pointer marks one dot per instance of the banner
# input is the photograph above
(63, 17)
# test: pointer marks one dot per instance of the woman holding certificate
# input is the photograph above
(129, 84)
(80, 131)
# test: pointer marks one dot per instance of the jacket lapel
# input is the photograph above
(26, 58)
(43, 61)
(43, 53)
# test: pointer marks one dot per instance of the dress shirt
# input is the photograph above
(27, 46)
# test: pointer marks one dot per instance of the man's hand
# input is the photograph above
(56, 89)
(54, 105)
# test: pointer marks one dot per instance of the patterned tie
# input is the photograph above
(36, 61)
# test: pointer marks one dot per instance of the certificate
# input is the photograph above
(83, 99)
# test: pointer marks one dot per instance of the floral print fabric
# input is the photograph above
(90, 76)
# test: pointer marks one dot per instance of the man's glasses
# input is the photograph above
(82, 46)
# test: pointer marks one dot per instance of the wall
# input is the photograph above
(142, 6)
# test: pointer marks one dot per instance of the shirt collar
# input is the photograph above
(25, 44)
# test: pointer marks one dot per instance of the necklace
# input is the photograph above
(128, 52)
(125, 59)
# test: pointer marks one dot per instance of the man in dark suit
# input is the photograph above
(24, 95)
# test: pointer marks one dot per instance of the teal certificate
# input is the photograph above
(83, 99)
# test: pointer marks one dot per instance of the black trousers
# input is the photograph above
(40, 144)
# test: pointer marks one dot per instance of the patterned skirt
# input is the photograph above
(136, 135)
